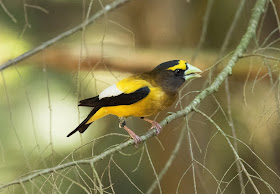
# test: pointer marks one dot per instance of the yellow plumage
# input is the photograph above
(156, 101)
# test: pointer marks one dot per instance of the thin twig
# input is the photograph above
(169, 162)
(231, 28)
(192, 156)
(233, 131)
(233, 150)
(275, 12)
(98, 179)
(65, 34)
(260, 55)
(7, 12)
(37, 7)
(127, 176)
(204, 28)
(154, 170)
(13, 124)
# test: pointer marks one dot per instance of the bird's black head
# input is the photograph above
(171, 75)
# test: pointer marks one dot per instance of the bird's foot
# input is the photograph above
(135, 137)
(154, 125)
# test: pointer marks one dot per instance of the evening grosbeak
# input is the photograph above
(140, 95)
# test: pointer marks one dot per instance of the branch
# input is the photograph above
(65, 34)
(206, 17)
(251, 31)
(7, 12)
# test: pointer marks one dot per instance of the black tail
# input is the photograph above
(83, 126)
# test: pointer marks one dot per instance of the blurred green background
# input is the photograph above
(39, 96)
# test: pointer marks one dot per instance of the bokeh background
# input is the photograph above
(39, 96)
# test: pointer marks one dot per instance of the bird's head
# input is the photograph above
(171, 75)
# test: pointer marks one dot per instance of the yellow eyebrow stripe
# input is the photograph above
(181, 65)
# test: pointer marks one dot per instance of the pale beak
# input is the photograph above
(192, 72)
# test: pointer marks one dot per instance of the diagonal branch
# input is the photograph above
(243, 45)
(7, 11)
(65, 34)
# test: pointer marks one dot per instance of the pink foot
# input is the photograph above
(135, 137)
(154, 125)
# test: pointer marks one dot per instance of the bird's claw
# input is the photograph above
(154, 125)
(157, 126)
(136, 139)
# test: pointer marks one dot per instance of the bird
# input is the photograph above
(140, 95)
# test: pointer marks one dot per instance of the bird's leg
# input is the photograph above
(135, 137)
(122, 122)
(154, 124)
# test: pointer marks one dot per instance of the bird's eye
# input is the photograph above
(178, 71)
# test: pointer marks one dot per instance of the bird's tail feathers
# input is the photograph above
(83, 126)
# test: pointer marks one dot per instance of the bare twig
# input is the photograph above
(204, 28)
(65, 34)
(37, 7)
(260, 55)
(154, 170)
(7, 12)
(233, 130)
(192, 157)
(169, 162)
(232, 27)
(13, 124)
(127, 176)
(233, 149)
(276, 14)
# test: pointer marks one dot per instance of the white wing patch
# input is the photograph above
(110, 91)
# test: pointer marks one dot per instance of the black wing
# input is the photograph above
(122, 99)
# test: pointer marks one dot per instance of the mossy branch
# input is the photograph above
(243, 45)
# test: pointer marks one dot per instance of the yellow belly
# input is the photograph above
(156, 101)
